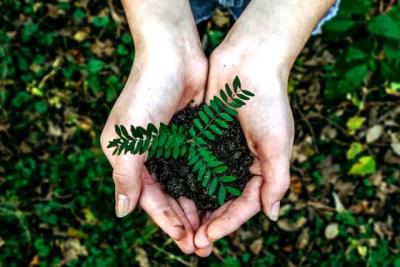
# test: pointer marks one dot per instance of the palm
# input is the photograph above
(268, 127)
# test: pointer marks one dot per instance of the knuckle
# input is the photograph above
(121, 180)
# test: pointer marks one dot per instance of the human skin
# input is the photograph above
(261, 48)
(170, 71)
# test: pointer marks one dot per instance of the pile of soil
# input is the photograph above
(176, 175)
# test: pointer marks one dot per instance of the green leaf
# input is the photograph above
(170, 141)
(192, 132)
(113, 143)
(201, 173)
(236, 84)
(209, 135)
(203, 117)
(223, 95)
(175, 153)
(222, 123)
(248, 93)
(95, 66)
(206, 178)
(226, 116)
(159, 152)
(242, 96)
(193, 160)
(163, 128)
(236, 103)
(167, 152)
(118, 130)
(215, 129)
(146, 145)
(365, 165)
(162, 140)
(198, 124)
(230, 111)
(200, 141)
(183, 150)
(220, 169)
(215, 163)
(151, 128)
(197, 166)
(139, 146)
(125, 132)
(208, 111)
(227, 179)
(228, 90)
(234, 191)
(384, 25)
(354, 123)
(218, 102)
(214, 106)
(152, 152)
(221, 195)
(354, 150)
(213, 186)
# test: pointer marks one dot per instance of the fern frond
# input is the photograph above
(220, 111)
(210, 171)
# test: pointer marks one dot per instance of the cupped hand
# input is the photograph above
(267, 123)
(168, 74)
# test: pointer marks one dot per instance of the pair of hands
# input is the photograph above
(171, 72)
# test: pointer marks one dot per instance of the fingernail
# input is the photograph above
(274, 212)
(122, 206)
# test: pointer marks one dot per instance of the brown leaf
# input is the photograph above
(256, 246)
(291, 226)
(35, 261)
(303, 239)
(72, 249)
(141, 257)
(332, 230)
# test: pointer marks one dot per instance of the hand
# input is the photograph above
(267, 123)
(161, 82)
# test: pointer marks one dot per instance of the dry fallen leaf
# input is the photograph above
(291, 226)
(395, 142)
(256, 246)
(374, 133)
(303, 239)
(332, 230)
(72, 249)
(141, 257)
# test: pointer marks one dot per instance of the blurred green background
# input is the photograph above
(63, 64)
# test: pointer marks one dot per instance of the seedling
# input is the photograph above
(175, 141)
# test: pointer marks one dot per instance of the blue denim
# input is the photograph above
(203, 10)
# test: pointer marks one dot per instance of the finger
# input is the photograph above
(157, 206)
(204, 252)
(126, 176)
(239, 212)
(186, 244)
(201, 239)
(255, 168)
(276, 174)
(190, 210)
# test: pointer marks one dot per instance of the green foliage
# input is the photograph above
(56, 191)
(176, 141)
(371, 57)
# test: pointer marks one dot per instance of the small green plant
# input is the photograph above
(175, 141)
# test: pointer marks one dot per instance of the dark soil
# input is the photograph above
(176, 175)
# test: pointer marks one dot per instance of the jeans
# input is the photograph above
(203, 10)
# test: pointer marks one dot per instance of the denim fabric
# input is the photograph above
(203, 10)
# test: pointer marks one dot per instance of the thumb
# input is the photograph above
(126, 176)
(276, 175)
